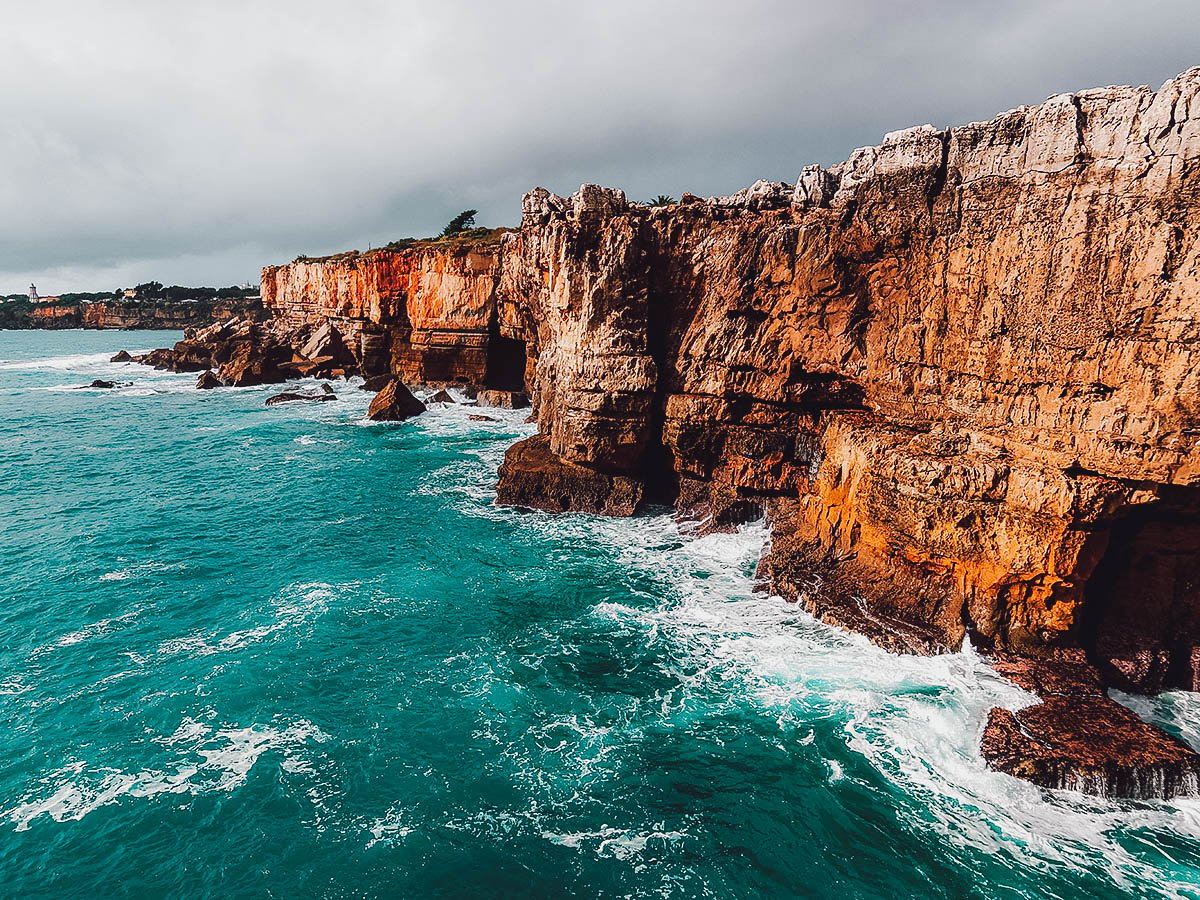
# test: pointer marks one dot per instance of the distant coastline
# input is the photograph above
(123, 314)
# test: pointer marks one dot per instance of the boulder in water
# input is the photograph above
(122, 356)
(394, 403)
(441, 397)
(293, 396)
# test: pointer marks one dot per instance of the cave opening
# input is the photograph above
(1140, 621)
(506, 363)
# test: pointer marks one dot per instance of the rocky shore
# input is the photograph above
(959, 373)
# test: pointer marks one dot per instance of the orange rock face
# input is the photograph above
(425, 313)
(955, 368)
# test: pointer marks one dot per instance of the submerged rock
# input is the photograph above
(394, 403)
(292, 397)
(208, 380)
(122, 356)
(475, 417)
(107, 385)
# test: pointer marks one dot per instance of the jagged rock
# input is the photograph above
(208, 380)
(1077, 738)
(532, 476)
(475, 417)
(503, 399)
(441, 397)
(105, 385)
(122, 356)
(251, 363)
(394, 403)
(376, 383)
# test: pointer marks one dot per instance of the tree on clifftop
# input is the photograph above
(662, 200)
(460, 223)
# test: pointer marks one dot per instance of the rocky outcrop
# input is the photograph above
(394, 403)
(1077, 738)
(959, 372)
(426, 313)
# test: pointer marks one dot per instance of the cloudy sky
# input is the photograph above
(193, 143)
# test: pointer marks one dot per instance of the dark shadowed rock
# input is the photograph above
(534, 477)
(394, 403)
(441, 397)
(208, 380)
(376, 383)
(106, 385)
(122, 356)
(478, 418)
(292, 397)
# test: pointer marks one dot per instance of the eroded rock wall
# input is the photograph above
(948, 366)
(424, 313)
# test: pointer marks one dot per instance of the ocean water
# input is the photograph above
(283, 652)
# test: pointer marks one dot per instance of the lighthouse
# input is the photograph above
(33, 297)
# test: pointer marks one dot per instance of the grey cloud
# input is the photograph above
(190, 142)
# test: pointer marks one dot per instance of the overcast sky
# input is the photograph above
(193, 143)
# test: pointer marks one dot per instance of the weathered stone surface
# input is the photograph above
(423, 312)
(532, 476)
(122, 356)
(394, 403)
(441, 397)
(503, 399)
(1077, 738)
(208, 380)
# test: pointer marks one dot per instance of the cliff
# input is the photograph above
(126, 314)
(427, 313)
(960, 373)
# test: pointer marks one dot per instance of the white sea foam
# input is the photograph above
(206, 759)
(616, 842)
(139, 570)
(916, 720)
(296, 607)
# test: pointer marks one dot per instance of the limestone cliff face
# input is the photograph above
(426, 313)
(960, 372)
(158, 314)
(957, 368)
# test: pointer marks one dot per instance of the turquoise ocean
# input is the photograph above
(284, 652)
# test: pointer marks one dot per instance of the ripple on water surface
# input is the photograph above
(286, 651)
